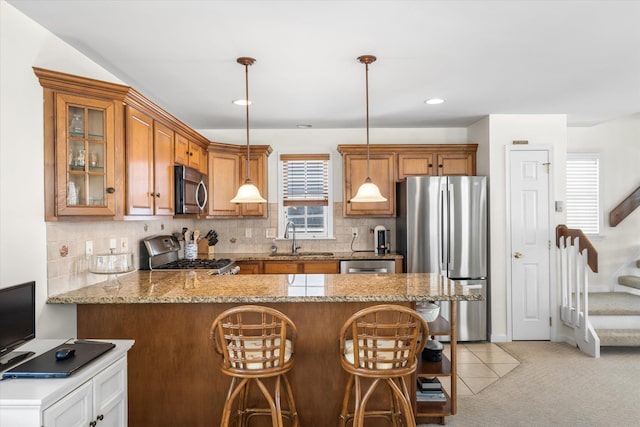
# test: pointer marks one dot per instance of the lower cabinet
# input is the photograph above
(289, 267)
(102, 399)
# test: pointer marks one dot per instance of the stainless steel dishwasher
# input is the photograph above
(367, 266)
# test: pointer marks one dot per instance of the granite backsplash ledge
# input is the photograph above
(67, 262)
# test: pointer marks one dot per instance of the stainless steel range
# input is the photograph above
(162, 253)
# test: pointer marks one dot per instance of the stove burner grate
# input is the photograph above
(187, 264)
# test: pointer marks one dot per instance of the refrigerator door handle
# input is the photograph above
(443, 224)
(451, 230)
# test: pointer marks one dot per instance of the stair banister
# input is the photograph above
(576, 254)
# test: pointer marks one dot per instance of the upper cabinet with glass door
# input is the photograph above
(85, 144)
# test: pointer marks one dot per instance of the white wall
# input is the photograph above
(618, 143)
(503, 129)
(23, 245)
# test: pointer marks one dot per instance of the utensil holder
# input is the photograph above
(190, 251)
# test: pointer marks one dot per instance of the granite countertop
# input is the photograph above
(304, 255)
(198, 286)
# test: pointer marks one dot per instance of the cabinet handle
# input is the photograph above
(153, 194)
(93, 423)
(158, 195)
(440, 166)
(111, 190)
(430, 165)
(190, 153)
(100, 417)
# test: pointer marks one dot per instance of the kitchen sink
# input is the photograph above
(289, 254)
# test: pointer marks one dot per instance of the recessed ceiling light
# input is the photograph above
(434, 101)
(241, 102)
(302, 126)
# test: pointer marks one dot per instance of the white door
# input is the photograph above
(530, 250)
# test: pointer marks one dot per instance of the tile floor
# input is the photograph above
(479, 365)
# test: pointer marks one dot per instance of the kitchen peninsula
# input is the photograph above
(174, 378)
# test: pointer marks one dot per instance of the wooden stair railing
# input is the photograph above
(584, 243)
(623, 210)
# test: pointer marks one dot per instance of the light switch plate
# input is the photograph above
(88, 247)
(247, 232)
(270, 233)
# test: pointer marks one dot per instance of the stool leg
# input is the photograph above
(235, 388)
(402, 395)
(276, 413)
(344, 415)
(295, 422)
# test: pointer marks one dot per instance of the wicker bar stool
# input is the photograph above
(257, 347)
(380, 343)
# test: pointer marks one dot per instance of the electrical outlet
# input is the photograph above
(354, 231)
(88, 247)
(112, 244)
(124, 244)
(270, 233)
(247, 232)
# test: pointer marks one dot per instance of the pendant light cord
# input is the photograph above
(366, 65)
(246, 84)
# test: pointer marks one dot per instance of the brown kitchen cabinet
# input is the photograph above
(227, 171)
(149, 150)
(390, 163)
(381, 172)
(108, 150)
(289, 267)
(189, 153)
(249, 267)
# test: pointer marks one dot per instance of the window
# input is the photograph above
(304, 197)
(583, 192)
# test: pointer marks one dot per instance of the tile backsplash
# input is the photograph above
(67, 264)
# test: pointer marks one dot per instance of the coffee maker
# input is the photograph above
(381, 240)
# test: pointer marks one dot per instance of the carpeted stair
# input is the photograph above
(630, 281)
(615, 317)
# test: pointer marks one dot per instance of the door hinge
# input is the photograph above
(549, 244)
(550, 321)
(548, 165)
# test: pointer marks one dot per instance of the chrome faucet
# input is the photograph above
(294, 247)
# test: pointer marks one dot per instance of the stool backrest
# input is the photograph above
(254, 341)
(382, 340)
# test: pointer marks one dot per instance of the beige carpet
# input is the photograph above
(557, 385)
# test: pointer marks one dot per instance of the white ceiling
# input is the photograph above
(580, 58)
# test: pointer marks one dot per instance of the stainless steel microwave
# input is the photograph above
(190, 190)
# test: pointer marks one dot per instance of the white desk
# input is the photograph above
(97, 392)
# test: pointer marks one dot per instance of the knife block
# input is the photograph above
(204, 248)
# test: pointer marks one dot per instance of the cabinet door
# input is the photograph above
(163, 175)
(382, 173)
(281, 267)
(415, 164)
(248, 267)
(321, 267)
(85, 156)
(202, 158)
(110, 395)
(224, 175)
(73, 410)
(456, 164)
(258, 176)
(139, 143)
(181, 152)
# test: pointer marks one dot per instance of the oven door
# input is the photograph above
(190, 191)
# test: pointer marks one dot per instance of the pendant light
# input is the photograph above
(368, 191)
(248, 192)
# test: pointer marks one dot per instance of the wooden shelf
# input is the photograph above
(432, 369)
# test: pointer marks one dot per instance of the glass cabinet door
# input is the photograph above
(85, 137)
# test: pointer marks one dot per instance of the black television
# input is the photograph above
(17, 322)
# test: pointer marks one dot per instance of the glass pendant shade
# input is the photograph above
(368, 192)
(248, 193)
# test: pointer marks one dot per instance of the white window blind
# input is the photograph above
(583, 192)
(305, 179)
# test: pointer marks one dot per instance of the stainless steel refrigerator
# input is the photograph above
(442, 229)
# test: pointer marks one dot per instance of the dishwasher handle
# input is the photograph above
(365, 270)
